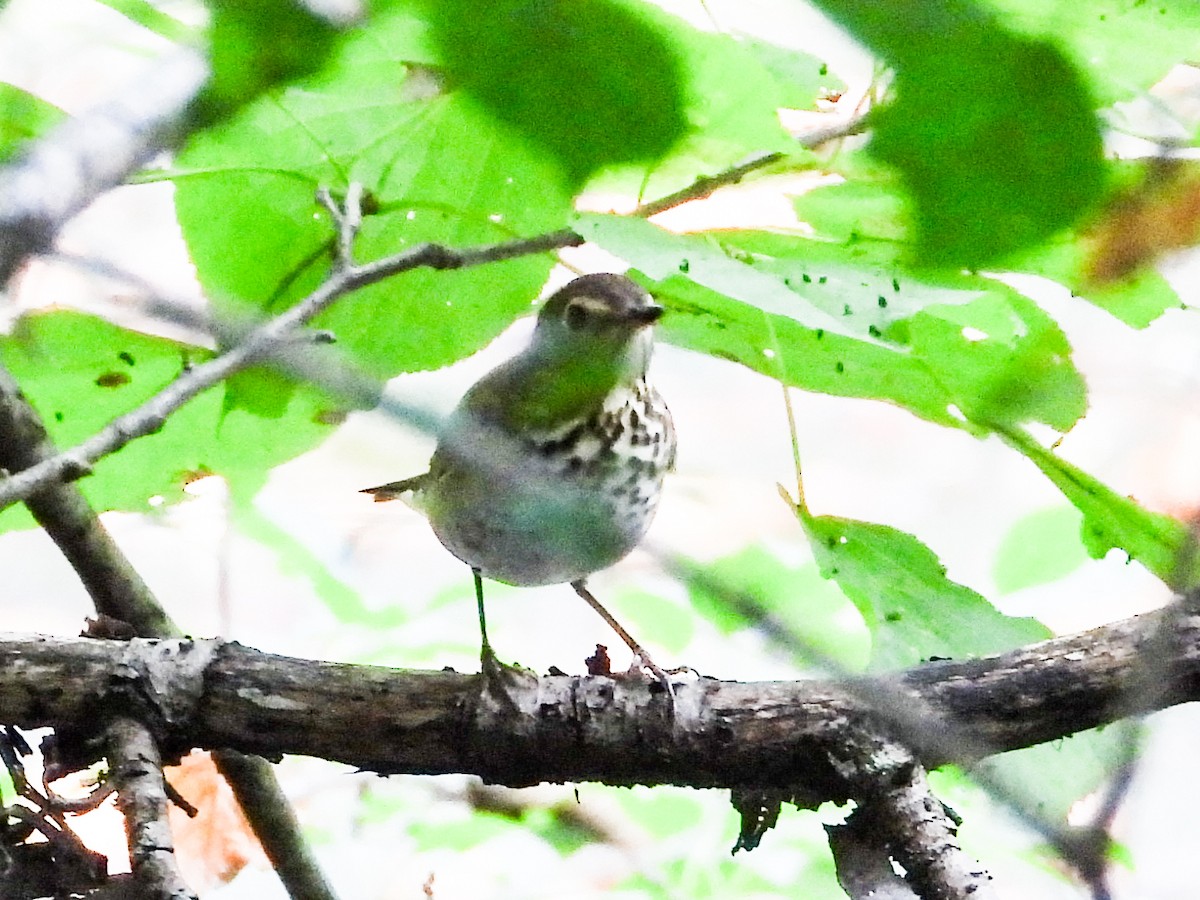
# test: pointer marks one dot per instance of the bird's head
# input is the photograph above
(605, 316)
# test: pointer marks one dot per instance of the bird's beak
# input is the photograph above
(647, 315)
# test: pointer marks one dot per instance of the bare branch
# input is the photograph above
(864, 868)
(902, 819)
(256, 347)
(770, 735)
(136, 773)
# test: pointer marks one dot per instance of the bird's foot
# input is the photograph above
(642, 661)
(499, 679)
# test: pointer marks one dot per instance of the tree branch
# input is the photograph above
(775, 735)
(136, 771)
(900, 819)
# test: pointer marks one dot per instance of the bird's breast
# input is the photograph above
(552, 505)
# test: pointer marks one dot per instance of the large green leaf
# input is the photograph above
(592, 83)
(729, 117)
(80, 372)
(437, 168)
(900, 586)
(1160, 543)
(990, 169)
(1137, 300)
(842, 319)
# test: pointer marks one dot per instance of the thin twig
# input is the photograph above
(707, 185)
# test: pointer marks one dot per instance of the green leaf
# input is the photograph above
(959, 350)
(256, 44)
(989, 170)
(1125, 46)
(1040, 547)
(438, 169)
(913, 610)
(593, 83)
(80, 372)
(866, 215)
(1160, 543)
(22, 118)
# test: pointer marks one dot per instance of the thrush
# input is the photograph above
(552, 465)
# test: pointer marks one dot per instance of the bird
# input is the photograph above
(551, 467)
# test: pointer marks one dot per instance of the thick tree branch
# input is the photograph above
(776, 735)
(136, 772)
(900, 819)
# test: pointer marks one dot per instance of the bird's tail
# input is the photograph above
(396, 489)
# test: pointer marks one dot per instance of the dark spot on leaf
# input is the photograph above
(126, 357)
(684, 265)
(846, 310)
(329, 416)
(820, 333)
(840, 368)
(807, 279)
(822, 280)
(824, 70)
(112, 379)
(882, 302)
(893, 617)
(896, 285)
(873, 331)
(58, 416)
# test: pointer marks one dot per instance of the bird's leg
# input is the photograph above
(496, 676)
(641, 657)
(490, 664)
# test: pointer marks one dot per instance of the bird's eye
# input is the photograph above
(576, 316)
